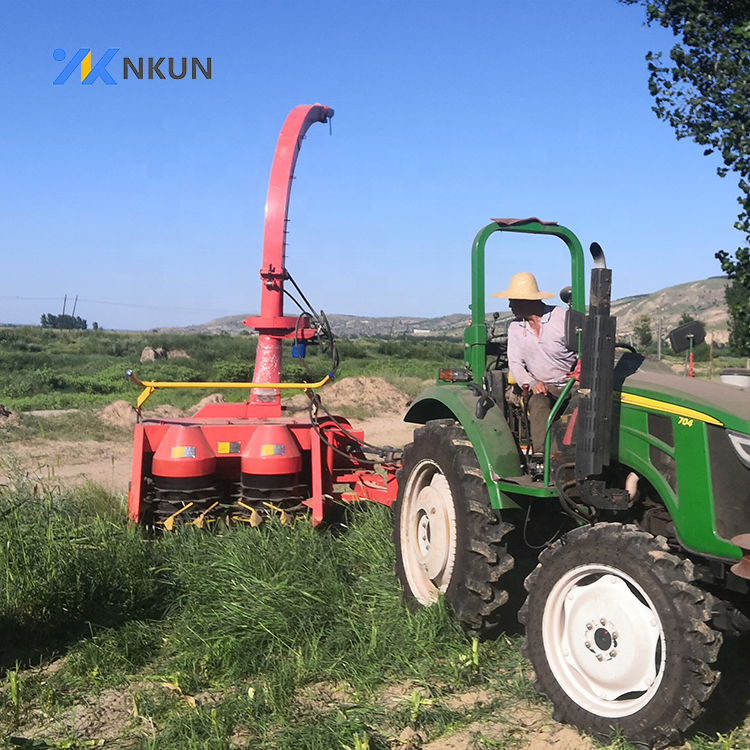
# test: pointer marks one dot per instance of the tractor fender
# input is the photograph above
(490, 437)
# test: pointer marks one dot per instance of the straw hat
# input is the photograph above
(523, 286)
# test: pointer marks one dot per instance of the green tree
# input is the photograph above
(738, 298)
(642, 331)
(64, 322)
(704, 94)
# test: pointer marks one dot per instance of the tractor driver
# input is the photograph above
(537, 355)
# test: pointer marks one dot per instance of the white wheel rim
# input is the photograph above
(604, 640)
(427, 532)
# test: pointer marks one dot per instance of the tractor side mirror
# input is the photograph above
(566, 294)
(573, 327)
(680, 338)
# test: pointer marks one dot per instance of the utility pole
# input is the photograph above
(73, 314)
(658, 339)
(65, 302)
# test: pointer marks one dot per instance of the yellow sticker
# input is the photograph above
(667, 408)
(272, 449)
(183, 451)
(226, 447)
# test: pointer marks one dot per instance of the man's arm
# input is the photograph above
(516, 362)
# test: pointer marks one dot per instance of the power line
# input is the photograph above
(121, 304)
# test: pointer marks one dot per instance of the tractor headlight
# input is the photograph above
(741, 445)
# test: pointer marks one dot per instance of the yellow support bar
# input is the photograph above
(150, 386)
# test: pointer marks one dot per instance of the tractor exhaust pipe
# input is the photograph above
(594, 423)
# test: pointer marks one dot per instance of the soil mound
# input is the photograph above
(119, 414)
(372, 395)
(164, 411)
(214, 398)
(123, 413)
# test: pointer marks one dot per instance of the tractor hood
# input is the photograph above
(728, 405)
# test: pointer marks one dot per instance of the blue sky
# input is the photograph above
(146, 198)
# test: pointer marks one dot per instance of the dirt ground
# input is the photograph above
(107, 464)
(112, 718)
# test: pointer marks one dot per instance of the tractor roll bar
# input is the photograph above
(475, 337)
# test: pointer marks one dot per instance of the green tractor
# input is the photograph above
(639, 506)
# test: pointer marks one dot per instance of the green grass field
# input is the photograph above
(279, 637)
(50, 369)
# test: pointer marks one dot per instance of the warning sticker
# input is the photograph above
(272, 449)
(183, 451)
(226, 448)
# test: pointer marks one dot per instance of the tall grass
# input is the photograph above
(252, 621)
(278, 637)
(66, 562)
(297, 603)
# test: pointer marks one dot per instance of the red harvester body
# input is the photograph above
(249, 460)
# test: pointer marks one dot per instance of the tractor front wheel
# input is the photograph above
(448, 539)
(619, 636)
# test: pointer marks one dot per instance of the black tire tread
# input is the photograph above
(693, 606)
(478, 596)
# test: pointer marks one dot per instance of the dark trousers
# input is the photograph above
(540, 405)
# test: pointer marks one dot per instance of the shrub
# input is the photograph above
(234, 371)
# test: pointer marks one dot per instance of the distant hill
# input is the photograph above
(703, 300)
(353, 326)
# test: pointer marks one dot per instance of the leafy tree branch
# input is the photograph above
(703, 92)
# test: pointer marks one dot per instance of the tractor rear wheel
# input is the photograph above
(448, 539)
(619, 637)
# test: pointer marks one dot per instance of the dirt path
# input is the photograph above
(104, 463)
(527, 728)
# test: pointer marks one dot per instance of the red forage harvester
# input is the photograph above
(251, 460)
